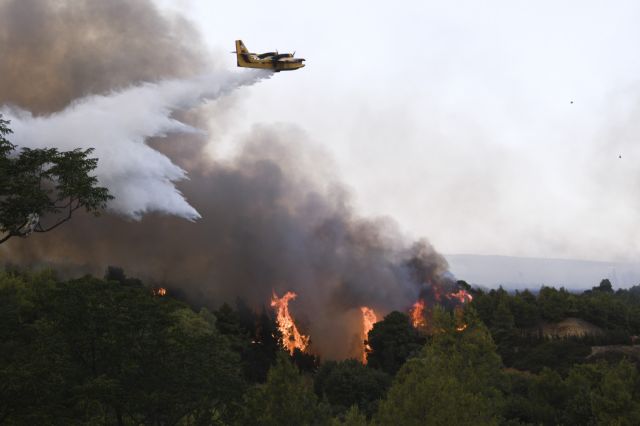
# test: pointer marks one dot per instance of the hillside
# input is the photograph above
(524, 272)
(117, 351)
(569, 327)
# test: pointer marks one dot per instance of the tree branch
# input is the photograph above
(54, 226)
(61, 221)
(15, 233)
(9, 235)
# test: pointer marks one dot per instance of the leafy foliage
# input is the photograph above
(254, 336)
(353, 417)
(599, 393)
(92, 351)
(98, 351)
(455, 380)
(393, 340)
(286, 398)
(38, 183)
(517, 323)
(348, 384)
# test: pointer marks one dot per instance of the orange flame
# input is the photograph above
(458, 314)
(368, 319)
(161, 291)
(291, 337)
(437, 292)
(462, 296)
(417, 314)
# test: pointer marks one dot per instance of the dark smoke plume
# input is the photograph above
(273, 218)
(56, 51)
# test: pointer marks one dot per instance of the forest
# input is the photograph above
(113, 350)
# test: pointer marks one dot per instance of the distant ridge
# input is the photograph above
(527, 272)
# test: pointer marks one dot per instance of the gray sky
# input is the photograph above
(455, 118)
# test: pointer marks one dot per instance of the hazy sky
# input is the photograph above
(456, 118)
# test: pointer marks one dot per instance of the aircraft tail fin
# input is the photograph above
(241, 52)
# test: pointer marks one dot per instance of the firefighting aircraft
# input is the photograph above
(270, 60)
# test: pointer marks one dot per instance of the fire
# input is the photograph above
(160, 291)
(291, 337)
(458, 315)
(368, 319)
(417, 314)
(437, 292)
(462, 296)
(420, 322)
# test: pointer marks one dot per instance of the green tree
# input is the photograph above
(554, 303)
(503, 329)
(484, 304)
(524, 308)
(261, 354)
(393, 340)
(557, 354)
(228, 325)
(32, 382)
(604, 308)
(456, 379)
(286, 398)
(353, 417)
(503, 321)
(306, 362)
(349, 383)
(535, 399)
(605, 286)
(39, 183)
(96, 352)
(603, 394)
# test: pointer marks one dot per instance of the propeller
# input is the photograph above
(294, 53)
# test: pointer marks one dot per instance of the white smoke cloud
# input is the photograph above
(118, 126)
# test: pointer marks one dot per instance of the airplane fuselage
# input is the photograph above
(270, 60)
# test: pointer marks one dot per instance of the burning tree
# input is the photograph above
(462, 296)
(368, 320)
(291, 337)
(160, 291)
(417, 315)
(44, 182)
(455, 300)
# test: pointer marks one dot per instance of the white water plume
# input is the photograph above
(118, 125)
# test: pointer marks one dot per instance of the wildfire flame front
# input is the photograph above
(368, 319)
(462, 296)
(291, 337)
(417, 315)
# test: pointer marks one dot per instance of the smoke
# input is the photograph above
(266, 224)
(56, 51)
(274, 217)
(119, 125)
